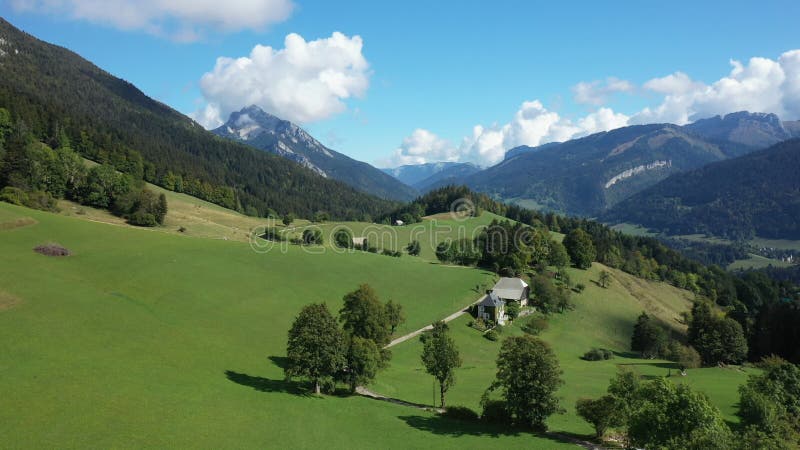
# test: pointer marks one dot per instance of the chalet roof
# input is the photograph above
(510, 288)
(491, 299)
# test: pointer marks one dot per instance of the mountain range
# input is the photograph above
(266, 132)
(428, 176)
(587, 176)
(757, 194)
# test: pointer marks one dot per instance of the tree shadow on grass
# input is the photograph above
(440, 425)
(266, 385)
(280, 361)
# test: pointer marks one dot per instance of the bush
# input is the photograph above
(512, 310)
(372, 249)
(535, 325)
(495, 411)
(479, 324)
(580, 287)
(15, 196)
(142, 219)
(387, 252)
(460, 413)
(597, 354)
(343, 239)
(491, 335)
(686, 356)
(270, 234)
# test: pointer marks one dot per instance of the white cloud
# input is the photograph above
(532, 125)
(180, 20)
(303, 82)
(761, 85)
(597, 92)
(420, 147)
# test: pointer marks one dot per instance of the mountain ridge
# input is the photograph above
(255, 127)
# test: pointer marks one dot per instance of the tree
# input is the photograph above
(363, 360)
(603, 413)
(364, 316)
(440, 357)
(648, 337)
(288, 218)
(558, 256)
(673, 416)
(394, 314)
(161, 210)
(512, 310)
(315, 349)
(717, 339)
(312, 237)
(528, 376)
(580, 248)
(545, 293)
(604, 278)
(413, 248)
(343, 238)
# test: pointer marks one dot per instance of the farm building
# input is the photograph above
(360, 242)
(492, 308)
(512, 290)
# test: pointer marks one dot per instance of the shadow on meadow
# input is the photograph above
(262, 384)
(440, 425)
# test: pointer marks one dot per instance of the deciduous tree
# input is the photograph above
(315, 349)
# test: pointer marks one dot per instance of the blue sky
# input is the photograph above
(429, 72)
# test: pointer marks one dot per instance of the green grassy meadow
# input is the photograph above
(601, 318)
(154, 338)
(147, 339)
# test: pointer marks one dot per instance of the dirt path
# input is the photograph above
(413, 334)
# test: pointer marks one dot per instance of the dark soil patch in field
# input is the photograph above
(51, 250)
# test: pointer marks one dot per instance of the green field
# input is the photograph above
(154, 338)
(601, 318)
(146, 339)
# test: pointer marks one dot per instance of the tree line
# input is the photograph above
(35, 175)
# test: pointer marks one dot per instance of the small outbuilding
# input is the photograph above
(399, 223)
(360, 242)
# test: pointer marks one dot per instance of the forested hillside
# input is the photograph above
(588, 175)
(756, 194)
(50, 91)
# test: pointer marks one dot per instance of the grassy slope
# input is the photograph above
(127, 342)
(602, 318)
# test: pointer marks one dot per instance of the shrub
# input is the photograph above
(535, 325)
(597, 354)
(580, 287)
(491, 335)
(372, 249)
(387, 252)
(461, 413)
(182, 229)
(512, 310)
(270, 234)
(479, 324)
(495, 411)
(15, 196)
(142, 219)
(42, 200)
